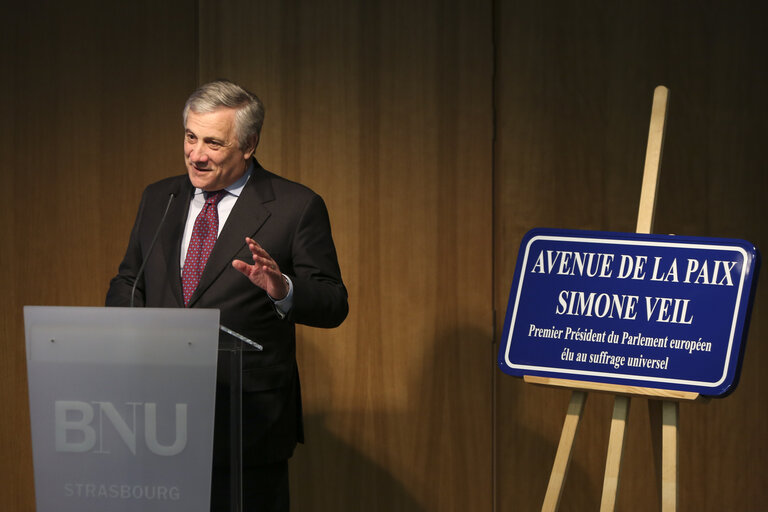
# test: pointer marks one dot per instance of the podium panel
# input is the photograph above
(122, 407)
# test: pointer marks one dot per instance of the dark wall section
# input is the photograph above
(574, 89)
(90, 102)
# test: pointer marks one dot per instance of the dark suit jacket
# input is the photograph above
(291, 223)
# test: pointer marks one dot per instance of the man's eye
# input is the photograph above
(190, 137)
(214, 144)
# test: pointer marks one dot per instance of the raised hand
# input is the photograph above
(264, 273)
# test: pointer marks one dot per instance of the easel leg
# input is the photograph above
(654, 425)
(615, 449)
(564, 450)
(670, 417)
(664, 417)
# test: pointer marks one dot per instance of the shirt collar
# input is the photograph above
(237, 187)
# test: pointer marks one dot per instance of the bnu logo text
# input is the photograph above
(83, 427)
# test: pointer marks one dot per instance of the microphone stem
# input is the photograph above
(151, 246)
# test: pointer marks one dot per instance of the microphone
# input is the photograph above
(171, 197)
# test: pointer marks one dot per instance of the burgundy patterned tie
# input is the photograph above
(204, 235)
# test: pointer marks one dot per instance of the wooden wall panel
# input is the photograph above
(387, 110)
(574, 88)
(384, 108)
(90, 113)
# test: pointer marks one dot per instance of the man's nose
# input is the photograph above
(197, 154)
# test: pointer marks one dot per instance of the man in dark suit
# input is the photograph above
(267, 261)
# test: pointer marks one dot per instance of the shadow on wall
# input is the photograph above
(433, 452)
(329, 473)
(536, 453)
(528, 445)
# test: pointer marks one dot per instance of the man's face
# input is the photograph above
(213, 157)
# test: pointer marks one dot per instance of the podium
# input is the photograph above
(122, 405)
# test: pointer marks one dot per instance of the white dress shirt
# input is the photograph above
(225, 208)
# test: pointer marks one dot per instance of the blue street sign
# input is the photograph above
(656, 311)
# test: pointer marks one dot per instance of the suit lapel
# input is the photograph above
(246, 218)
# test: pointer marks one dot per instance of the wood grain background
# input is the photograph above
(438, 132)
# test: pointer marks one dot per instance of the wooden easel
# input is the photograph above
(664, 411)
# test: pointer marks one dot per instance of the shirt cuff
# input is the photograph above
(284, 305)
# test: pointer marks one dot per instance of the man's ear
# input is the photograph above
(251, 148)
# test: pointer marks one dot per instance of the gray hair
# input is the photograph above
(225, 94)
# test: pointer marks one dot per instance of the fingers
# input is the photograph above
(242, 267)
(258, 268)
(264, 273)
(255, 248)
(261, 258)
